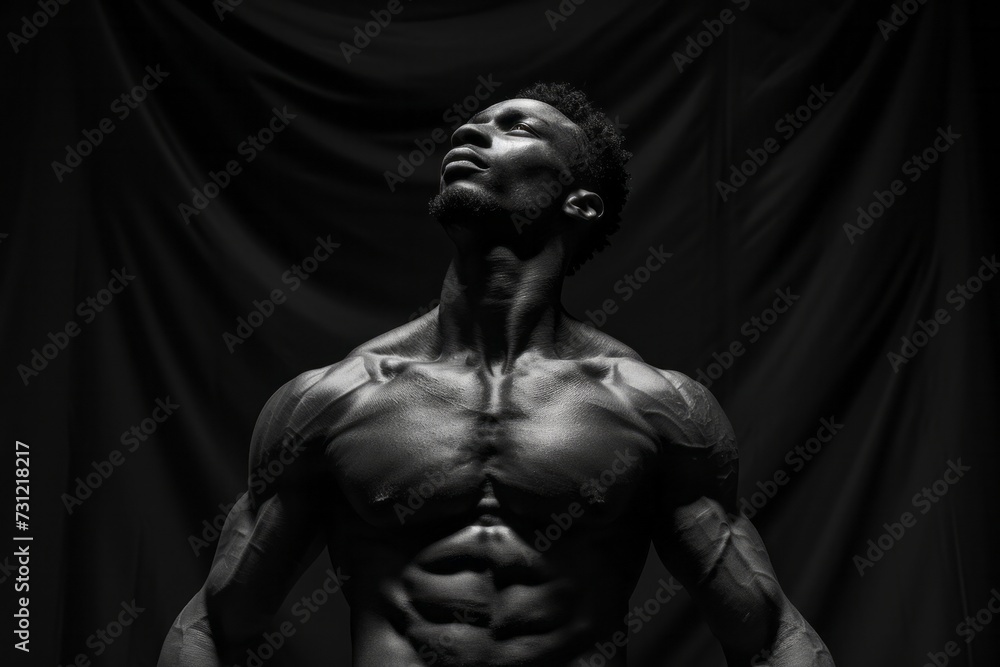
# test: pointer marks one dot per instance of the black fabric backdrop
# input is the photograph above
(227, 66)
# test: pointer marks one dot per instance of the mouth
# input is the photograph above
(463, 158)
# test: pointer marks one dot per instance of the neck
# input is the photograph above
(496, 305)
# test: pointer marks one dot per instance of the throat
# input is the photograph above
(501, 306)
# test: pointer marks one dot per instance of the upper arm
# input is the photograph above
(275, 530)
(716, 553)
(698, 453)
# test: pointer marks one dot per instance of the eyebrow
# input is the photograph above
(509, 113)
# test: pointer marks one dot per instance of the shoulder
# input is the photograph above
(303, 409)
(698, 454)
(308, 405)
(684, 414)
(291, 434)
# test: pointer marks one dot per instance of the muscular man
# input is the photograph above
(434, 458)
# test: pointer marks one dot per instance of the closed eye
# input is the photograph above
(522, 126)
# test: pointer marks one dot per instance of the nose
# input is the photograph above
(471, 133)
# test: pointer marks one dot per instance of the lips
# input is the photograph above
(464, 156)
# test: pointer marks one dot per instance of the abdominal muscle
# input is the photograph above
(483, 596)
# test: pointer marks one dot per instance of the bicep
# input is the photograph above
(263, 549)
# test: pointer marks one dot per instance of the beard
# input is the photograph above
(457, 205)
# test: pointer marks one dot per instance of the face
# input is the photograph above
(507, 159)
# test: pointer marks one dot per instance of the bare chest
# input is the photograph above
(431, 443)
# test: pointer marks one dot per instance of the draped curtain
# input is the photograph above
(208, 198)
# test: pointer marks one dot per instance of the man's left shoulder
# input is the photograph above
(682, 410)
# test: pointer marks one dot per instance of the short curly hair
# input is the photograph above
(600, 166)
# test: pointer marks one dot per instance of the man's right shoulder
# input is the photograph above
(306, 408)
(310, 406)
(328, 384)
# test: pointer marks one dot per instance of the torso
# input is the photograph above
(490, 520)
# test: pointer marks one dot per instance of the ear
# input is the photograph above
(583, 205)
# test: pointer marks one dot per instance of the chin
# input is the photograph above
(459, 202)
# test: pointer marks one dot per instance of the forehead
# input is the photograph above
(525, 108)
